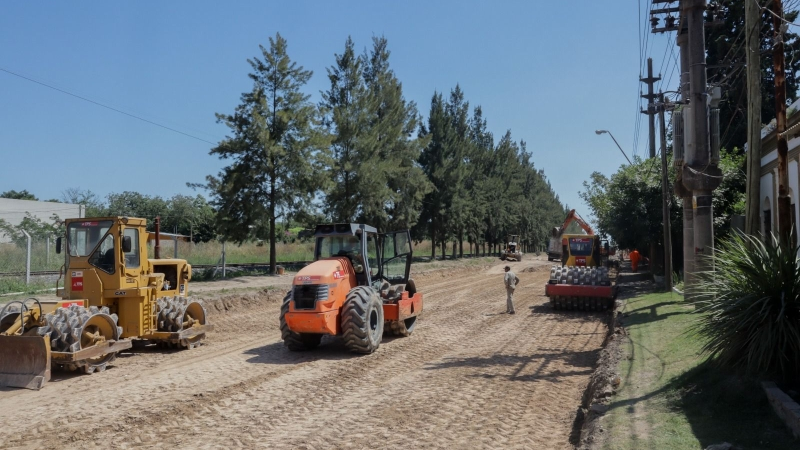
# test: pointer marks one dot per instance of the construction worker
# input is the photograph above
(511, 281)
(635, 256)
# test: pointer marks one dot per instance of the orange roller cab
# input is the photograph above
(358, 287)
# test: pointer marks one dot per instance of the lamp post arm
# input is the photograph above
(620, 148)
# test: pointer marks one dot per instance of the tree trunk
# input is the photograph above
(272, 247)
(433, 242)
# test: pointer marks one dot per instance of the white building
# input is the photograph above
(769, 174)
(13, 211)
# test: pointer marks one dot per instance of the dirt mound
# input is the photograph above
(235, 302)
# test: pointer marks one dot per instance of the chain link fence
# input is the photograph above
(34, 268)
(28, 264)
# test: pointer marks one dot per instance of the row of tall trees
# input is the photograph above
(482, 191)
(364, 154)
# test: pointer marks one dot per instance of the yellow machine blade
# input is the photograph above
(24, 361)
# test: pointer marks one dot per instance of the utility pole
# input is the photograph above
(752, 18)
(682, 143)
(651, 113)
(682, 40)
(784, 203)
(700, 172)
(665, 197)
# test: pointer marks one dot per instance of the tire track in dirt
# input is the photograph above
(167, 371)
(468, 377)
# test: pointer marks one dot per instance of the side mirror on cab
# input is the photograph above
(58, 245)
(126, 244)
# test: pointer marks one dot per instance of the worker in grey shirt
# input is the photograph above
(511, 281)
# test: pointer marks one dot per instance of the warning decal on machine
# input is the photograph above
(72, 303)
(307, 279)
(77, 280)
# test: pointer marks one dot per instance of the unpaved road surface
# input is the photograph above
(470, 376)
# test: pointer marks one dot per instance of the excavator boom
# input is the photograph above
(574, 216)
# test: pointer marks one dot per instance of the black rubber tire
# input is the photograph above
(296, 342)
(362, 320)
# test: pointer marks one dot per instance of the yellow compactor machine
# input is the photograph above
(112, 296)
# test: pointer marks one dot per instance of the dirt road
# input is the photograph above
(470, 377)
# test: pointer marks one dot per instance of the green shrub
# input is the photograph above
(752, 301)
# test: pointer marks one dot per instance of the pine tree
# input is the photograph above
(273, 149)
(392, 184)
(347, 115)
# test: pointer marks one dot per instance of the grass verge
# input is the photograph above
(671, 398)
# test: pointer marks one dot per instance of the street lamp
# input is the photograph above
(615, 141)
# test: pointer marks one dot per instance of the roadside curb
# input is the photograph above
(786, 408)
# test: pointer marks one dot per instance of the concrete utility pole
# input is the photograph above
(651, 113)
(700, 173)
(784, 202)
(752, 18)
(665, 197)
(682, 40)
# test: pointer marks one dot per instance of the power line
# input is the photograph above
(106, 106)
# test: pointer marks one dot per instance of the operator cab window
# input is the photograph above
(103, 255)
(338, 246)
(83, 237)
(372, 254)
(580, 246)
(132, 257)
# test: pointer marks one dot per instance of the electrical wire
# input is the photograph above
(106, 106)
(764, 8)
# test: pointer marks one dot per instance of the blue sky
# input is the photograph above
(551, 72)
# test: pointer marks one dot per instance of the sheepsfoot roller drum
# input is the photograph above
(70, 337)
(580, 288)
(181, 322)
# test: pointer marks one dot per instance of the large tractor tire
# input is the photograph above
(362, 320)
(294, 341)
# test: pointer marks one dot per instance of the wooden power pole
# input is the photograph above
(778, 65)
(752, 14)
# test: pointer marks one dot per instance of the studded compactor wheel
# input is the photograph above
(580, 276)
(176, 314)
(76, 328)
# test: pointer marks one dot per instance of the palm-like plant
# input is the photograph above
(750, 306)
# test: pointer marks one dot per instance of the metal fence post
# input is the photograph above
(223, 259)
(48, 251)
(176, 247)
(27, 259)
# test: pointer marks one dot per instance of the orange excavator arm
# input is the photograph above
(573, 216)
